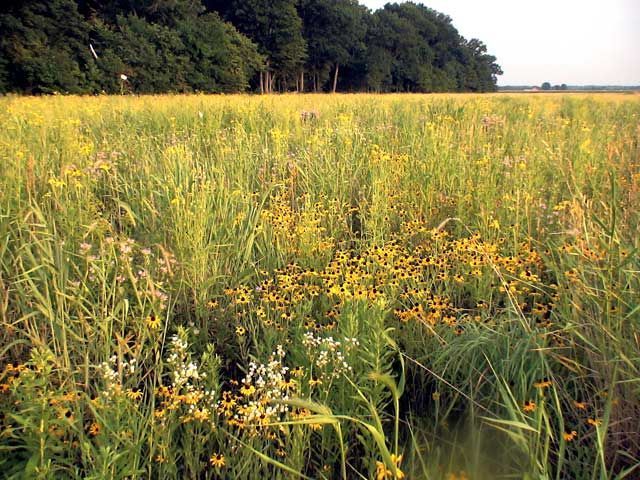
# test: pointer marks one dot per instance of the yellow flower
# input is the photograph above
(94, 429)
(227, 402)
(152, 322)
(240, 331)
(56, 183)
(382, 472)
(217, 460)
(201, 414)
(247, 389)
(134, 394)
(544, 383)
(580, 405)
(529, 406)
(289, 384)
(314, 381)
(569, 436)
(68, 414)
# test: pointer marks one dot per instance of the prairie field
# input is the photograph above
(320, 286)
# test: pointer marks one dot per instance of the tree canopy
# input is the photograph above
(153, 46)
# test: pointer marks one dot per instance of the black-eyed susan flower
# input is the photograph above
(288, 384)
(544, 383)
(134, 394)
(594, 422)
(217, 460)
(383, 473)
(94, 429)
(152, 322)
(314, 382)
(247, 389)
(580, 405)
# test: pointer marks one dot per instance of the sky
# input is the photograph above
(577, 42)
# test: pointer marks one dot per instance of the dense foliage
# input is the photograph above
(115, 46)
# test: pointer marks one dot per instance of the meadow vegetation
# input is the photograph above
(306, 286)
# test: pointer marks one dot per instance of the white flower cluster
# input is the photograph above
(329, 355)
(111, 374)
(270, 382)
(183, 369)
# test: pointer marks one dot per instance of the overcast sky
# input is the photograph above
(578, 42)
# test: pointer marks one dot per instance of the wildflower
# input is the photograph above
(572, 274)
(529, 406)
(580, 405)
(569, 436)
(68, 414)
(544, 383)
(134, 394)
(240, 331)
(152, 322)
(217, 460)
(288, 384)
(314, 381)
(227, 402)
(163, 391)
(201, 414)
(247, 389)
(94, 429)
(594, 422)
(382, 472)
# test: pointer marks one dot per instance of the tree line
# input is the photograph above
(225, 46)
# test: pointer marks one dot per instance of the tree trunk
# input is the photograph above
(272, 81)
(335, 77)
(261, 83)
(302, 81)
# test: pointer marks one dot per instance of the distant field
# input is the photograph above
(320, 286)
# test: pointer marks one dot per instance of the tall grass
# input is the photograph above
(396, 286)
